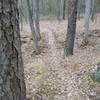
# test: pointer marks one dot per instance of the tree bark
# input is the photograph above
(71, 30)
(58, 10)
(36, 47)
(36, 19)
(79, 9)
(12, 86)
(64, 9)
(86, 22)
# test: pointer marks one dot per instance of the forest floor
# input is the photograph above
(52, 77)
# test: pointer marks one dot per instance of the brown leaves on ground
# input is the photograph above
(63, 76)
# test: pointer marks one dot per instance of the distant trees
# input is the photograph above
(48, 8)
(86, 22)
(58, 10)
(79, 8)
(12, 86)
(36, 18)
(64, 9)
(71, 30)
(33, 16)
(93, 10)
(34, 35)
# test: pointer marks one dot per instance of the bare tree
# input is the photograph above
(58, 10)
(64, 9)
(86, 22)
(71, 30)
(34, 36)
(36, 19)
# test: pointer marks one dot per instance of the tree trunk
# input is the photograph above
(72, 17)
(36, 18)
(79, 9)
(12, 86)
(32, 27)
(58, 10)
(86, 22)
(64, 9)
(93, 10)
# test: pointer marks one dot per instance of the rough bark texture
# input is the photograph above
(71, 30)
(12, 86)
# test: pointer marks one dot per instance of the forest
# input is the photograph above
(49, 49)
